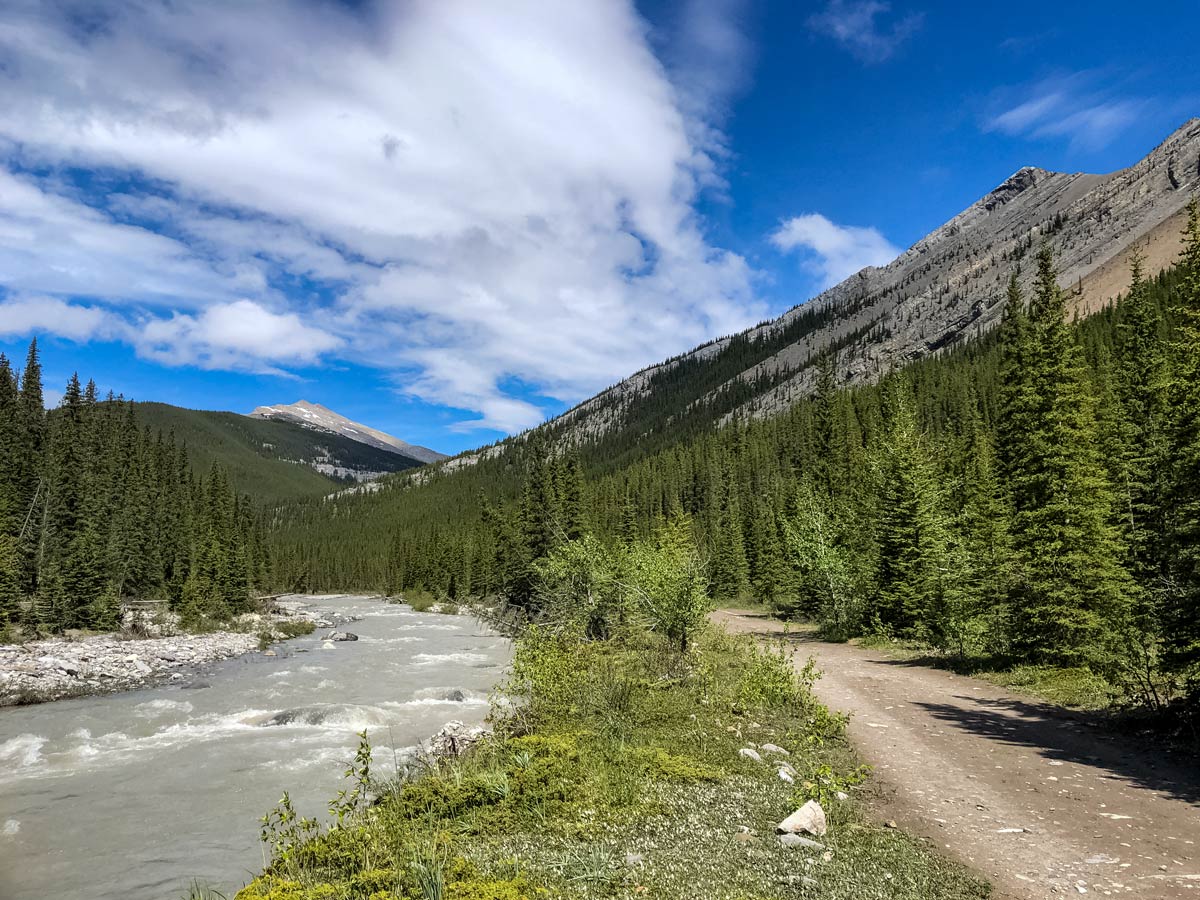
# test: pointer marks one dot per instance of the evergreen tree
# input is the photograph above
(730, 568)
(1182, 607)
(1072, 595)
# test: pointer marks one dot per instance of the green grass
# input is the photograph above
(256, 452)
(617, 775)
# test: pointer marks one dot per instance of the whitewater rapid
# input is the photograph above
(133, 795)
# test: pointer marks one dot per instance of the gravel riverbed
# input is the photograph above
(56, 668)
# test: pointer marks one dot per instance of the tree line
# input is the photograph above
(1032, 496)
(96, 511)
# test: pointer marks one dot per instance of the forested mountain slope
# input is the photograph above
(1029, 495)
(271, 460)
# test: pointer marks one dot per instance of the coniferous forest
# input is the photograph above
(1029, 497)
(96, 511)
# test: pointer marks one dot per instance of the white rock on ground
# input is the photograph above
(750, 754)
(809, 818)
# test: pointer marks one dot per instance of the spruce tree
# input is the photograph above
(1072, 594)
(730, 568)
(1182, 606)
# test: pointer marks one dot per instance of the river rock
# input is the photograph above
(341, 636)
(809, 818)
(456, 738)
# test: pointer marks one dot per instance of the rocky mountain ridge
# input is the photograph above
(946, 288)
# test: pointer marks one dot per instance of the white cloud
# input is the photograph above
(834, 252)
(1068, 107)
(21, 315)
(51, 243)
(237, 335)
(484, 191)
(854, 25)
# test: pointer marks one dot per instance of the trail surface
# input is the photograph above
(1026, 793)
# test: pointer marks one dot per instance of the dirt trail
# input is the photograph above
(1023, 792)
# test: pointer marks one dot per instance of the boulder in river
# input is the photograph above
(341, 636)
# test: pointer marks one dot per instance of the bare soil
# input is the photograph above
(1038, 799)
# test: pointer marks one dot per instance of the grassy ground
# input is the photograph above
(617, 775)
(1074, 688)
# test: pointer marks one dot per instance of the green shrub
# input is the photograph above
(769, 681)
(419, 600)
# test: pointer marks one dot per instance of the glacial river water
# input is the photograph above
(132, 795)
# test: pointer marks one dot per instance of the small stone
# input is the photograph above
(785, 775)
(750, 754)
(772, 748)
(842, 795)
(890, 823)
(634, 859)
(269, 653)
(792, 841)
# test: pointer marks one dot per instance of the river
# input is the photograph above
(132, 795)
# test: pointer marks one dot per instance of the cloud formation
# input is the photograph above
(1068, 107)
(463, 194)
(858, 27)
(833, 252)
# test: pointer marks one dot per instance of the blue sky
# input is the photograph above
(453, 220)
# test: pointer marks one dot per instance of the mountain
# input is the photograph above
(945, 289)
(320, 418)
(655, 440)
(269, 459)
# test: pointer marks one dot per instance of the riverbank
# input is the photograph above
(62, 667)
(625, 770)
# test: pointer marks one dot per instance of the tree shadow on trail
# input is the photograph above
(1056, 733)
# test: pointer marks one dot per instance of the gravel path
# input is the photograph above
(1026, 793)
